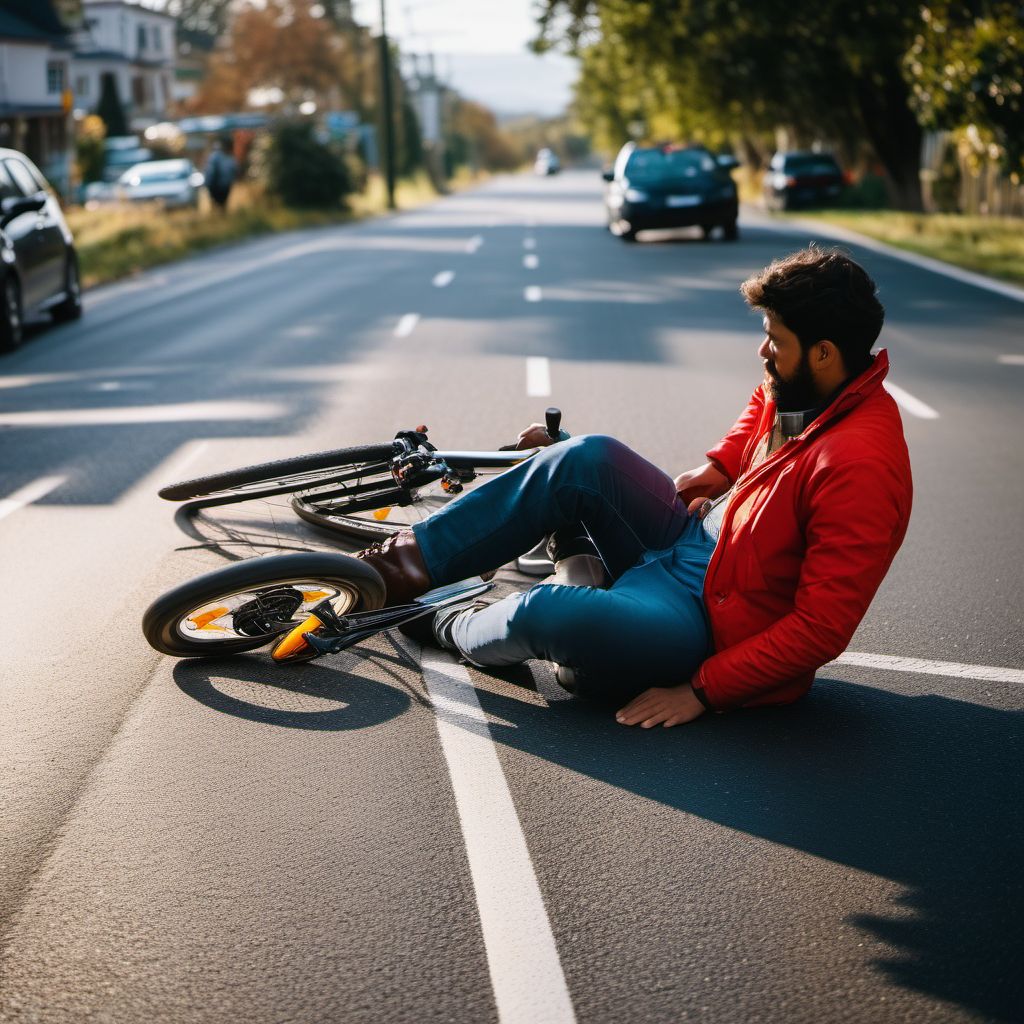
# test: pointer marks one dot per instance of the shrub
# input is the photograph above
(302, 171)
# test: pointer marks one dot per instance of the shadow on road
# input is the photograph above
(922, 790)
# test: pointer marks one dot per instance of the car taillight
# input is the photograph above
(790, 181)
(847, 177)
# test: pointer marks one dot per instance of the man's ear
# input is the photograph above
(825, 355)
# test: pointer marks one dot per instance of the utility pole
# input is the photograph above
(388, 113)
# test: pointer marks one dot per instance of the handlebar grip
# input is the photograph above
(553, 422)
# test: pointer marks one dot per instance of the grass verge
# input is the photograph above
(115, 241)
(988, 245)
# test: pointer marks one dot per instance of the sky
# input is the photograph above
(481, 50)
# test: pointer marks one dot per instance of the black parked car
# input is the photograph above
(38, 265)
(802, 179)
(670, 187)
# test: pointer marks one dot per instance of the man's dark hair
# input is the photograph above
(818, 294)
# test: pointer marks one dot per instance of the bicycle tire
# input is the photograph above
(268, 579)
(279, 470)
(351, 527)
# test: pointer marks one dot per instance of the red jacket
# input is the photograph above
(806, 539)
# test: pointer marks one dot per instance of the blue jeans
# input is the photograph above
(648, 629)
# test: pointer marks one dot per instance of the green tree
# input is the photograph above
(714, 69)
(109, 108)
(304, 172)
(966, 65)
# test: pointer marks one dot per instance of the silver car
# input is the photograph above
(172, 182)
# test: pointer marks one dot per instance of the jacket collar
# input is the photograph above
(852, 394)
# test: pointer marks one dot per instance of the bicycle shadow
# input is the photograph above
(288, 698)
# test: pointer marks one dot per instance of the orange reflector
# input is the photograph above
(203, 620)
(315, 595)
(381, 514)
(295, 642)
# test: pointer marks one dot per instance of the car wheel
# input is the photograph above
(730, 232)
(71, 307)
(628, 234)
(706, 230)
(11, 326)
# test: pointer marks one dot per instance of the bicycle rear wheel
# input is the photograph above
(283, 475)
(249, 604)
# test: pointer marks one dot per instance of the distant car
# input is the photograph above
(546, 163)
(121, 152)
(802, 179)
(38, 264)
(172, 182)
(671, 187)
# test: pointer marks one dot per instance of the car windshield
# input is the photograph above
(811, 165)
(655, 164)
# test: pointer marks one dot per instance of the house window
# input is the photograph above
(54, 78)
(158, 39)
(139, 92)
(82, 85)
(140, 36)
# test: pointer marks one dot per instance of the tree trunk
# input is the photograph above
(895, 136)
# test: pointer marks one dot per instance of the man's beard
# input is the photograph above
(797, 393)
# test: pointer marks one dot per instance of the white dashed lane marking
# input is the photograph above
(407, 325)
(532, 293)
(529, 243)
(906, 401)
(950, 669)
(184, 412)
(1012, 360)
(474, 243)
(531, 261)
(443, 279)
(29, 493)
(538, 377)
(526, 973)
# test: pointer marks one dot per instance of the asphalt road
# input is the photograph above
(366, 839)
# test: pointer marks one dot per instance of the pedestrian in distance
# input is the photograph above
(727, 587)
(221, 171)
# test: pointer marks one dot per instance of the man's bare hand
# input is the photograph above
(666, 706)
(704, 482)
(534, 436)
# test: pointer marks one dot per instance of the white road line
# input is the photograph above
(905, 400)
(532, 293)
(444, 279)
(531, 261)
(538, 377)
(407, 325)
(526, 974)
(529, 243)
(184, 412)
(992, 673)
(1012, 360)
(30, 492)
(474, 243)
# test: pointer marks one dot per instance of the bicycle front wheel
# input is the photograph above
(249, 604)
(284, 475)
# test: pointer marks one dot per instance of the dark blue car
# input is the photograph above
(671, 187)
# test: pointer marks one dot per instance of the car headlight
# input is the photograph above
(636, 195)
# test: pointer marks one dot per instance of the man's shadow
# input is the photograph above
(922, 790)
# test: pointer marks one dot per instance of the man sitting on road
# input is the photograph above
(731, 585)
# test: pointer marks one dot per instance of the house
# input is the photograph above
(35, 58)
(136, 45)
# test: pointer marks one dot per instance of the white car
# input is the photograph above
(546, 163)
(172, 182)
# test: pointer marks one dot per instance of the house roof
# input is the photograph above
(13, 26)
(31, 20)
